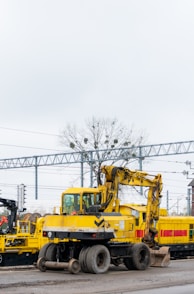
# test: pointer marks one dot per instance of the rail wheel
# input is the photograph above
(41, 264)
(98, 259)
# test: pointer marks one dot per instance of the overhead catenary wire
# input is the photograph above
(29, 132)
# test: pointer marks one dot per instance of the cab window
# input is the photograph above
(70, 203)
(90, 199)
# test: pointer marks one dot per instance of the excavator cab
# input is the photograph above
(84, 202)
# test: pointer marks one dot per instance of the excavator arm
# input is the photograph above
(115, 176)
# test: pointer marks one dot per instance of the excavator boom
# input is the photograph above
(115, 176)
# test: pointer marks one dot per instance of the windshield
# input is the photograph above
(71, 202)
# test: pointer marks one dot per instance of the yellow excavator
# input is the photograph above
(93, 230)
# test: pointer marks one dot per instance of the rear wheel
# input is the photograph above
(82, 259)
(140, 257)
(51, 252)
(1, 259)
(98, 259)
(43, 250)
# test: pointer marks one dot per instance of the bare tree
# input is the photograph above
(100, 134)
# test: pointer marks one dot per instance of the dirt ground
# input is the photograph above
(116, 280)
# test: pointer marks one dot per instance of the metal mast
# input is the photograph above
(90, 156)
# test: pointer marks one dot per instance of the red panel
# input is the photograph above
(178, 233)
(166, 233)
(139, 233)
(173, 233)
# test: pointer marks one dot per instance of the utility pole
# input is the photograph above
(188, 198)
(167, 201)
(141, 165)
(177, 206)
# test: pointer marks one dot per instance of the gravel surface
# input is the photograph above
(116, 280)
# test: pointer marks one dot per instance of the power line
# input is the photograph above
(30, 132)
(29, 147)
(171, 161)
(164, 172)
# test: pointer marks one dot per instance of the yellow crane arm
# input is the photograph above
(115, 176)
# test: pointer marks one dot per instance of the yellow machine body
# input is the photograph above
(22, 246)
(96, 229)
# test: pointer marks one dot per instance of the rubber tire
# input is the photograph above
(140, 259)
(98, 259)
(82, 259)
(43, 250)
(2, 259)
(51, 252)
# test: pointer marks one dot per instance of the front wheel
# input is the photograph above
(140, 257)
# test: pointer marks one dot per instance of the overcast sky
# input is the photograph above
(65, 61)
